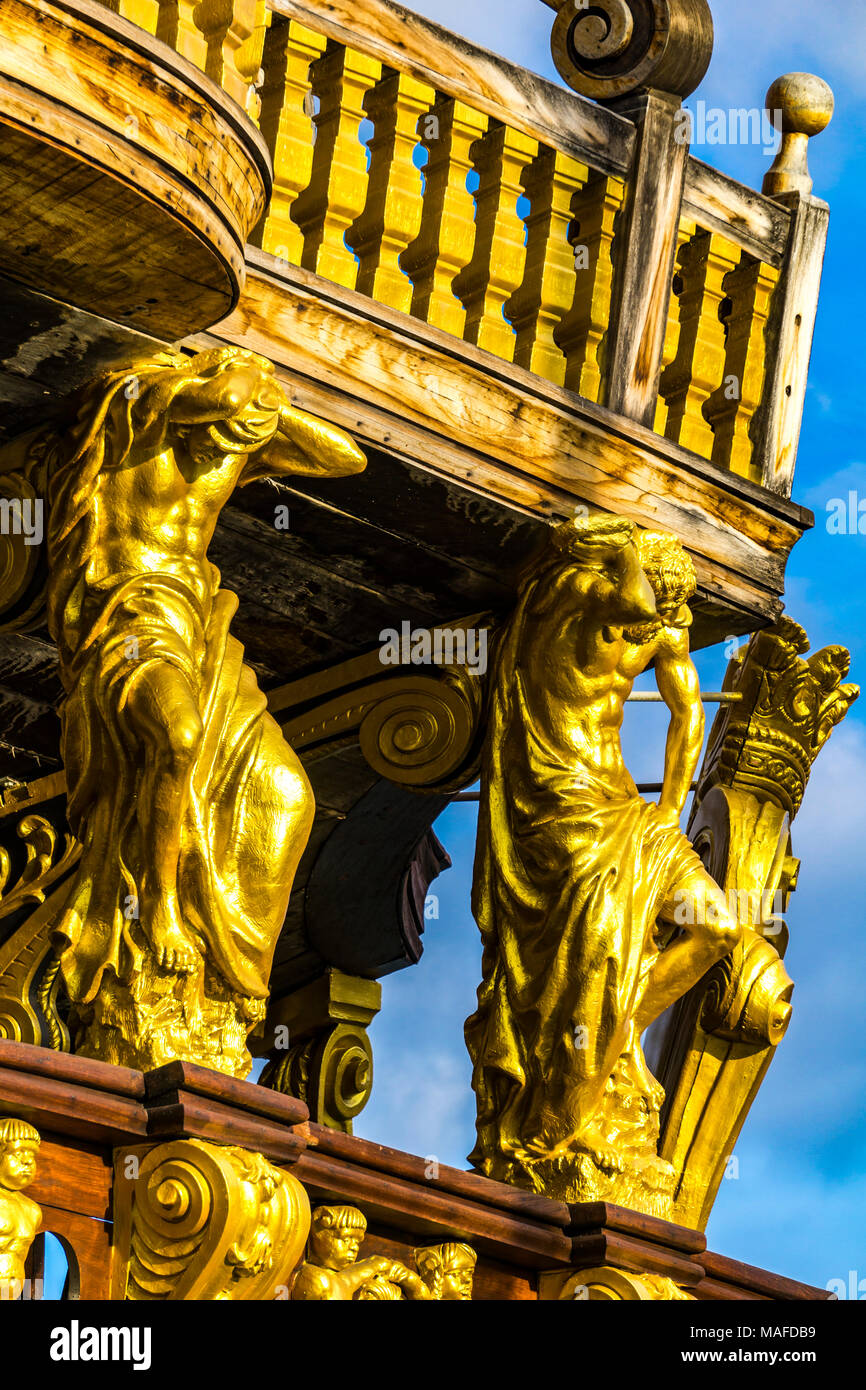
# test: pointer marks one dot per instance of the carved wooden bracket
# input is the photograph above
(712, 1051)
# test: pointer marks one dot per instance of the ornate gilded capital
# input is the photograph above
(789, 704)
(20, 1216)
(197, 1221)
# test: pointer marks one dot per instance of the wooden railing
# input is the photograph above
(435, 178)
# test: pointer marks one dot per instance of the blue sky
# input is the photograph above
(799, 1204)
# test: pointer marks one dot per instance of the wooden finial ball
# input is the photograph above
(800, 104)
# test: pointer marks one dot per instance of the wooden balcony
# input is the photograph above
(519, 301)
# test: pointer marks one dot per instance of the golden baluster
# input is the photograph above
(499, 255)
(445, 242)
(337, 193)
(228, 27)
(732, 407)
(248, 60)
(687, 229)
(699, 366)
(541, 303)
(177, 28)
(392, 216)
(144, 13)
(287, 125)
(581, 334)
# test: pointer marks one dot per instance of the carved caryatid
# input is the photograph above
(199, 1221)
(712, 1051)
(20, 1216)
(577, 879)
(333, 1272)
(191, 809)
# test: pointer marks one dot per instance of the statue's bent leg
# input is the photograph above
(164, 712)
(697, 905)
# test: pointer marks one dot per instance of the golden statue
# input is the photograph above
(577, 879)
(20, 1217)
(448, 1271)
(334, 1272)
(192, 810)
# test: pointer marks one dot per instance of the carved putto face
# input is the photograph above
(448, 1271)
(457, 1281)
(17, 1164)
(336, 1237)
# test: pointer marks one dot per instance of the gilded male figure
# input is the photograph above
(577, 878)
(192, 810)
(20, 1216)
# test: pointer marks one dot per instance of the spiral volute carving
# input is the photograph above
(606, 49)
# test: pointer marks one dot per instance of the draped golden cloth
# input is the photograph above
(158, 696)
(225, 895)
(570, 874)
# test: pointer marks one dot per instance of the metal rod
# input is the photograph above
(710, 697)
(641, 786)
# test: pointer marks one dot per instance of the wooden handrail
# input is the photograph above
(521, 99)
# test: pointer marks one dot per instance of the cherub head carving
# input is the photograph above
(448, 1271)
(336, 1235)
(19, 1145)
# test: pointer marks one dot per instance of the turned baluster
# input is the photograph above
(698, 370)
(686, 230)
(234, 31)
(392, 216)
(539, 306)
(287, 125)
(444, 245)
(583, 332)
(337, 193)
(733, 405)
(499, 255)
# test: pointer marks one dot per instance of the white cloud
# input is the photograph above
(851, 478)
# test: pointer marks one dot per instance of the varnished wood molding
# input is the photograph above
(129, 178)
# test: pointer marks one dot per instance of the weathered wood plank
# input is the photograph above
(136, 180)
(789, 346)
(521, 99)
(644, 260)
(752, 221)
(504, 433)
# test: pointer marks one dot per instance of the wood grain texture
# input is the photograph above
(128, 177)
(758, 224)
(73, 1176)
(505, 434)
(87, 1245)
(789, 345)
(732, 1280)
(521, 99)
(645, 260)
